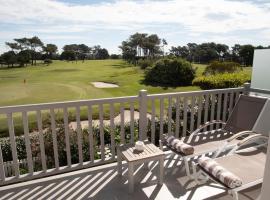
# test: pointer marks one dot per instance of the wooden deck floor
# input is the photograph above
(103, 183)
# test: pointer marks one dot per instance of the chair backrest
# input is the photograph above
(262, 125)
(245, 113)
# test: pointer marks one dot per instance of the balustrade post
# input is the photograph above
(143, 115)
(246, 88)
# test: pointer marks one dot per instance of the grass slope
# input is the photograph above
(62, 81)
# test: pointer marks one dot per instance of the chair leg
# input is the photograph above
(195, 173)
(235, 195)
(187, 167)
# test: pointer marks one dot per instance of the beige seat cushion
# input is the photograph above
(247, 165)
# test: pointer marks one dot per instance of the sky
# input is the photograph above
(109, 22)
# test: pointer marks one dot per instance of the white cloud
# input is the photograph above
(194, 17)
(192, 14)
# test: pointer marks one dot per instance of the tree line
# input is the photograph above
(25, 51)
(143, 46)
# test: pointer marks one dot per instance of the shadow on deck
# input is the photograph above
(103, 183)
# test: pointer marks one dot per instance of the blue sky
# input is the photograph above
(109, 22)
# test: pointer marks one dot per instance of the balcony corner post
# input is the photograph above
(143, 115)
(246, 88)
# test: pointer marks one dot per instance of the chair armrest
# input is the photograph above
(206, 125)
(251, 138)
(240, 134)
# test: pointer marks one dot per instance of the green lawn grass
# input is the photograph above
(62, 81)
(66, 81)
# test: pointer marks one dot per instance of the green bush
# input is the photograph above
(47, 61)
(170, 72)
(145, 63)
(227, 80)
(217, 67)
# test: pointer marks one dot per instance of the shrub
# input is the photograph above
(47, 61)
(115, 56)
(170, 72)
(227, 80)
(217, 67)
(145, 63)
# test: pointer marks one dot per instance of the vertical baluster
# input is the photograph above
(236, 98)
(112, 130)
(218, 109)
(185, 117)
(231, 102)
(161, 116)
(177, 126)
(213, 105)
(55, 146)
(206, 107)
(122, 124)
(170, 116)
(101, 129)
(2, 168)
(199, 119)
(132, 122)
(41, 141)
(192, 113)
(67, 137)
(225, 108)
(13, 144)
(27, 143)
(90, 136)
(153, 121)
(79, 134)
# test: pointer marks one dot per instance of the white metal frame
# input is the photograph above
(234, 192)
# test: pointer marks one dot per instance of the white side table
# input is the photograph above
(133, 157)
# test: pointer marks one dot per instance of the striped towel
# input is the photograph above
(179, 146)
(219, 172)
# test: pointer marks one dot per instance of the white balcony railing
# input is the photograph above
(51, 147)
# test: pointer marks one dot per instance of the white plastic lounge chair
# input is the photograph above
(245, 166)
(239, 124)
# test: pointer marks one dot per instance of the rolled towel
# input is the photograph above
(223, 175)
(179, 145)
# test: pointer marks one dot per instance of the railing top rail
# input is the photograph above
(194, 93)
(261, 91)
(66, 104)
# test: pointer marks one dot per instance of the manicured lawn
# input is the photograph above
(65, 81)
(62, 81)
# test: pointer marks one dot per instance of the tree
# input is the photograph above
(179, 51)
(141, 45)
(235, 53)
(14, 46)
(9, 58)
(102, 54)
(128, 52)
(23, 57)
(222, 50)
(35, 44)
(50, 49)
(164, 43)
(68, 55)
(246, 53)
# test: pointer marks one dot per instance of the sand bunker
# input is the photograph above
(104, 85)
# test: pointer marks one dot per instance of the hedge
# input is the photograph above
(227, 80)
(217, 67)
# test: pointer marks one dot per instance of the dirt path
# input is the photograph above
(117, 120)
